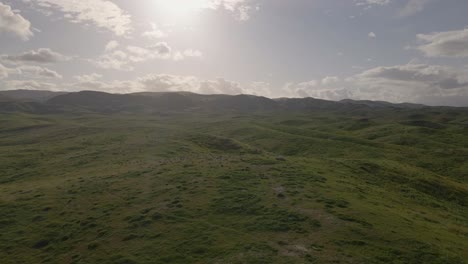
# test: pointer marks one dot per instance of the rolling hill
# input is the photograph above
(101, 102)
(30, 95)
(92, 177)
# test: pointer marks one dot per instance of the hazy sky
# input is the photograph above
(393, 50)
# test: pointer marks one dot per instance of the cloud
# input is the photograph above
(4, 71)
(110, 87)
(14, 23)
(167, 82)
(241, 8)
(413, 7)
(115, 60)
(29, 85)
(220, 86)
(369, 3)
(189, 53)
(330, 80)
(192, 53)
(38, 72)
(372, 35)
(42, 56)
(101, 13)
(111, 45)
(158, 83)
(417, 75)
(418, 83)
(161, 49)
(29, 71)
(154, 33)
(328, 88)
(125, 58)
(148, 83)
(445, 44)
(88, 77)
(261, 89)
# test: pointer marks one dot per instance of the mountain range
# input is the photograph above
(148, 102)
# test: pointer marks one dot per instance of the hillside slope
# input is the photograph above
(30, 95)
(321, 187)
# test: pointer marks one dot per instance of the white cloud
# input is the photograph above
(445, 44)
(154, 33)
(14, 23)
(88, 77)
(178, 56)
(111, 45)
(137, 53)
(38, 72)
(369, 3)
(116, 60)
(330, 80)
(372, 35)
(4, 71)
(192, 53)
(430, 77)
(159, 83)
(220, 86)
(111, 87)
(101, 13)
(262, 89)
(161, 49)
(167, 82)
(189, 53)
(42, 56)
(29, 71)
(29, 85)
(328, 88)
(241, 8)
(413, 7)
(125, 58)
(419, 83)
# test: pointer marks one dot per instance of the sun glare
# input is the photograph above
(180, 10)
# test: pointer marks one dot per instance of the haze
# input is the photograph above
(390, 50)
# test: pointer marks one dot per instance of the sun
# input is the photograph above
(180, 10)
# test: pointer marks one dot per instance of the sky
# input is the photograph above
(388, 50)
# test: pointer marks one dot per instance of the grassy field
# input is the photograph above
(386, 187)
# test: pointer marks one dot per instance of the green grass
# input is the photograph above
(383, 187)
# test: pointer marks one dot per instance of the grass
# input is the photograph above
(383, 187)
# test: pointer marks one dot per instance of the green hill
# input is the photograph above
(335, 183)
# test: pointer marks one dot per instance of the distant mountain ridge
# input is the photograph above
(148, 102)
(30, 95)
